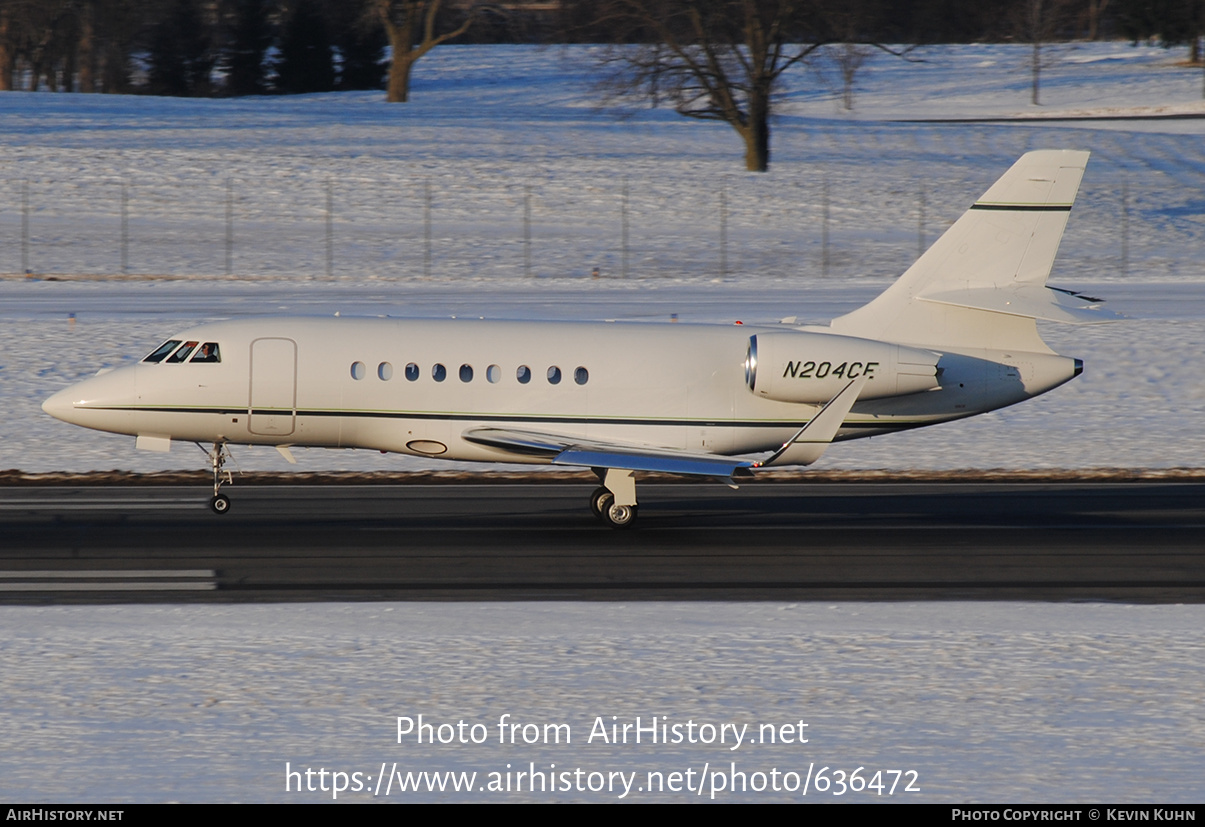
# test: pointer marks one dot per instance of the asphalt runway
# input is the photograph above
(1142, 542)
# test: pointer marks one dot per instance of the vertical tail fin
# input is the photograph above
(982, 284)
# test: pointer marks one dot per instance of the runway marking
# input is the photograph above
(109, 580)
(95, 505)
(107, 587)
(136, 573)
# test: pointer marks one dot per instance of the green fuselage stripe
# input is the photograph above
(514, 418)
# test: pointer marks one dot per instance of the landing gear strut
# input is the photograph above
(615, 502)
(220, 503)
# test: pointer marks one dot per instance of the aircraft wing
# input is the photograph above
(804, 448)
(567, 450)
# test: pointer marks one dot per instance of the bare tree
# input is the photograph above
(847, 59)
(38, 36)
(848, 20)
(182, 51)
(411, 25)
(85, 47)
(1038, 23)
(117, 24)
(8, 48)
(1095, 9)
(248, 40)
(69, 44)
(720, 60)
(306, 57)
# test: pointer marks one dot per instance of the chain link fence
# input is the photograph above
(211, 225)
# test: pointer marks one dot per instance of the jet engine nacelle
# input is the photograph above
(814, 367)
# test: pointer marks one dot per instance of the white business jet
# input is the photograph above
(955, 336)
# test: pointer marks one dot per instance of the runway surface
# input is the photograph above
(770, 541)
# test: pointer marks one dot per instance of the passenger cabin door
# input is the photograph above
(272, 406)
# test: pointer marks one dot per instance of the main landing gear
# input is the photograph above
(220, 503)
(615, 502)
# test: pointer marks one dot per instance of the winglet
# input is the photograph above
(810, 442)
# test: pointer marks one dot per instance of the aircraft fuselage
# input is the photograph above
(415, 386)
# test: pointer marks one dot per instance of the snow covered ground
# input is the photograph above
(987, 703)
(1012, 703)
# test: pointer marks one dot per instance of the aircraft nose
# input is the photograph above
(60, 405)
(99, 401)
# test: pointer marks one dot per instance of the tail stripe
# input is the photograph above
(1024, 207)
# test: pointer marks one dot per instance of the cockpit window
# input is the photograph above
(208, 353)
(182, 354)
(162, 351)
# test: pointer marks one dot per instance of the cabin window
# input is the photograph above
(554, 375)
(208, 353)
(493, 374)
(466, 373)
(439, 372)
(412, 372)
(523, 374)
(357, 370)
(182, 354)
(385, 371)
(162, 351)
(581, 376)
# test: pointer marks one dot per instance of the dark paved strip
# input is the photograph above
(776, 541)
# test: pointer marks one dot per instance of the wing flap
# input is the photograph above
(567, 450)
(805, 447)
(703, 465)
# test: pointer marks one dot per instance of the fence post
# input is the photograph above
(623, 229)
(330, 241)
(1125, 228)
(125, 227)
(427, 229)
(824, 230)
(527, 231)
(920, 224)
(723, 230)
(25, 226)
(229, 226)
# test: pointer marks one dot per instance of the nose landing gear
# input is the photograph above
(220, 503)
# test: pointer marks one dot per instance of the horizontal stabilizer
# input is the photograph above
(1030, 301)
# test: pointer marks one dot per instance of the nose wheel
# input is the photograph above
(220, 503)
